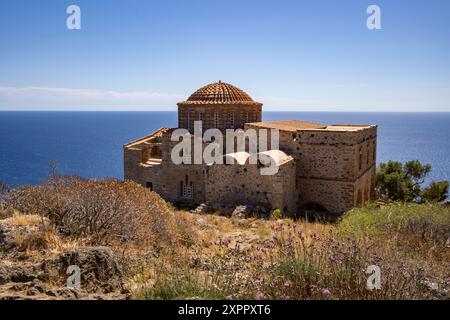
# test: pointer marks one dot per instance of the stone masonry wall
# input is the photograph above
(242, 114)
(333, 165)
(332, 169)
(233, 185)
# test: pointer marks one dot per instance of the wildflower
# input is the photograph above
(326, 292)
(258, 282)
(285, 297)
(231, 297)
(288, 284)
(260, 295)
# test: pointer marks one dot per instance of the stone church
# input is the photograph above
(326, 168)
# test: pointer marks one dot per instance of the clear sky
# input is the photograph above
(290, 55)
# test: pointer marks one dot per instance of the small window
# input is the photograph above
(247, 118)
(188, 121)
(216, 120)
(149, 185)
(200, 116)
(232, 120)
(187, 189)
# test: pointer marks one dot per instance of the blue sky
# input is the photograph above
(290, 55)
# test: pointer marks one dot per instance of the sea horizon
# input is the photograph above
(265, 111)
(89, 143)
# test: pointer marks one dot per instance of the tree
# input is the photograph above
(435, 192)
(403, 182)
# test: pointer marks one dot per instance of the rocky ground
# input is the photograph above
(34, 259)
(33, 268)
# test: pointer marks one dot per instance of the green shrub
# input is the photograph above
(435, 192)
(276, 213)
(403, 182)
(429, 221)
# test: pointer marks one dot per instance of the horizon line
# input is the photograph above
(175, 111)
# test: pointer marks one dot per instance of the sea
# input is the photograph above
(90, 144)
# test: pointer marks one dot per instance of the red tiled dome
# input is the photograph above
(219, 93)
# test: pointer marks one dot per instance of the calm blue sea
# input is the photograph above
(89, 144)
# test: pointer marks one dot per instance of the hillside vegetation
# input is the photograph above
(158, 252)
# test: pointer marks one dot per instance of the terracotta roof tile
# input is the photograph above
(219, 93)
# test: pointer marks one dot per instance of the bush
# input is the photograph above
(104, 211)
(402, 182)
(435, 192)
(276, 214)
(428, 221)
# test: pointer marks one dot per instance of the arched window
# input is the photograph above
(187, 189)
(232, 120)
(216, 120)
(188, 121)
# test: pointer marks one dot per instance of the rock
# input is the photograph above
(98, 265)
(18, 273)
(11, 234)
(22, 278)
(202, 209)
(242, 212)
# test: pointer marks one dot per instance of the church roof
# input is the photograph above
(219, 93)
(289, 125)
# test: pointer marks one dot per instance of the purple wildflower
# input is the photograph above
(326, 292)
(260, 295)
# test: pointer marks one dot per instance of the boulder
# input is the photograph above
(100, 270)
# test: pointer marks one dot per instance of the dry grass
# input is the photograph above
(284, 259)
(214, 257)
(22, 220)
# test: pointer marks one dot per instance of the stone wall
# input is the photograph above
(187, 114)
(233, 185)
(334, 165)
(330, 169)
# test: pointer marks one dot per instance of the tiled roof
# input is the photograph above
(219, 93)
(157, 133)
(289, 125)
